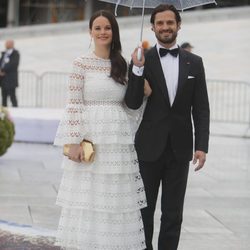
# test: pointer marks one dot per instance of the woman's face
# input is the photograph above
(101, 32)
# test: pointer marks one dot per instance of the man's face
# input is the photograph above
(9, 44)
(166, 28)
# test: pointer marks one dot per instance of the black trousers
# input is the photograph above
(172, 175)
(11, 92)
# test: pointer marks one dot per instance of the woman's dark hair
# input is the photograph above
(164, 7)
(118, 63)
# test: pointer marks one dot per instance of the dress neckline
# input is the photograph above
(98, 57)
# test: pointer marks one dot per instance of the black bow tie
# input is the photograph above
(173, 52)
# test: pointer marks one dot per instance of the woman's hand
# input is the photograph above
(147, 88)
(75, 153)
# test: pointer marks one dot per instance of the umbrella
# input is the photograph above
(179, 5)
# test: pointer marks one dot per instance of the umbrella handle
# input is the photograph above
(139, 51)
(139, 54)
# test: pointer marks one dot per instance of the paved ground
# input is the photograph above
(217, 203)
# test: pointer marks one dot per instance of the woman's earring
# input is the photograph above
(90, 42)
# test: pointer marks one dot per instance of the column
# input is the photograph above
(88, 10)
(13, 13)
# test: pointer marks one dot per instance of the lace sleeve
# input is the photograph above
(135, 115)
(71, 129)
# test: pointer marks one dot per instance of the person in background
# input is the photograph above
(187, 46)
(176, 110)
(9, 63)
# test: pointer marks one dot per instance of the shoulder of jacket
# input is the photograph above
(151, 52)
(191, 55)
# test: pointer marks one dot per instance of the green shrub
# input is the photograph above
(7, 131)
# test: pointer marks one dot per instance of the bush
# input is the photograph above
(7, 131)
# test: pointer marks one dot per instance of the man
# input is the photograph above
(164, 140)
(187, 46)
(9, 73)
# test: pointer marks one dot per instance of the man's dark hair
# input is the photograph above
(164, 7)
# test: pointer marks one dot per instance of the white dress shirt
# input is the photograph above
(170, 68)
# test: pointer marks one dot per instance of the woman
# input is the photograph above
(100, 201)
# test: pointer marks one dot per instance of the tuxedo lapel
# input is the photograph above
(158, 75)
(184, 65)
(1, 59)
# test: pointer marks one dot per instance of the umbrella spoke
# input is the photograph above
(179, 4)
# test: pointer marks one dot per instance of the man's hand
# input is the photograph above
(200, 158)
(136, 62)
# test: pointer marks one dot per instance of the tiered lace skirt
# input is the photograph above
(101, 202)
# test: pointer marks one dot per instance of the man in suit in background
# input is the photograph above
(9, 73)
(164, 140)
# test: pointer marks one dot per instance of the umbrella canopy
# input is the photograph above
(179, 4)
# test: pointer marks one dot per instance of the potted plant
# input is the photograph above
(7, 131)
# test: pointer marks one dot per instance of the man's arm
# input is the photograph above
(201, 118)
(135, 90)
(201, 112)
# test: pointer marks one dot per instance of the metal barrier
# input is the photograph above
(53, 90)
(28, 89)
(48, 90)
(229, 100)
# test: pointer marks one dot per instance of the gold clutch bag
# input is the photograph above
(87, 148)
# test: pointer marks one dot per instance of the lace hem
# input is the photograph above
(83, 229)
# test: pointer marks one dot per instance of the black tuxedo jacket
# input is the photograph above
(162, 122)
(10, 79)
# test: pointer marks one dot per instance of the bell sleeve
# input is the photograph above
(71, 129)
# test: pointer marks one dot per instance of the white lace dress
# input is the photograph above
(100, 201)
